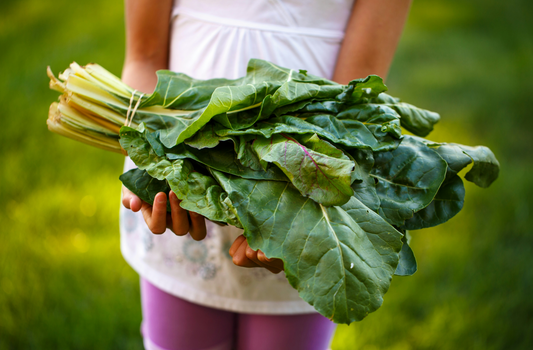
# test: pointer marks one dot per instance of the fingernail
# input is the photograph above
(173, 196)
(161, 198)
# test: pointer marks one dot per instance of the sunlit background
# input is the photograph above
(64, 284)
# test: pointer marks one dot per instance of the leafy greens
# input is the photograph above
(316, 173)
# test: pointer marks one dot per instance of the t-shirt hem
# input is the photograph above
(181, 290)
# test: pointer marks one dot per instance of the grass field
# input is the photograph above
(64, 284)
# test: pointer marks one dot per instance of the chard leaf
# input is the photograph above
(140, 146)
(379, 133)
(349, 133)
(408, 179)
(375, 118)
(200, 193)
(224, 158)
(447, 203)
(485, 169)
(449, 199)
(227, 97)
(454, 156)
(224, 99)
(205, 138)
(293, 92)
(407, 265)
(246, 154)
(340, 259)
(143, 185)
(324, 177)
(180, 91)
(310, 106)
(360, 90)
(142, 153)
(416, 120)
(365, 190)
(243, 119)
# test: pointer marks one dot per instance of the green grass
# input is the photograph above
(64, 284)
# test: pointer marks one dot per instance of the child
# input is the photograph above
(193, 295)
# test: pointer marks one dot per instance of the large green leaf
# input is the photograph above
(320, 172)
(224, 158)
(180, 91)
(221, 97)
(485, 169)
(365, 190)
(340, 259)
(408, 179)
(293, 92)
(447, 203)
(450, 198)
(142, 153)
(143, 148)
(347, 132)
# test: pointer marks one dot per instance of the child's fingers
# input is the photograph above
(135, 203)
(156, 215)
(130, 200)
(236, 244)
(197, 227)
(272, 265)
(180, 220)
(276, 264)
(244, 256)
(240, 258)
(252, 256)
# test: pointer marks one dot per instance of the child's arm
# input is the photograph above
(147, 36)
(372, 34)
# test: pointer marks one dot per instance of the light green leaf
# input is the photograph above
(142, 153)
(324, 177)
(200, 193)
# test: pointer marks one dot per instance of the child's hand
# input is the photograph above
(158, 220)
(245, 256)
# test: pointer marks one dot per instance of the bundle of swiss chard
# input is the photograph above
(316, 173)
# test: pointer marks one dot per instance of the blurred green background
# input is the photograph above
(64, 284)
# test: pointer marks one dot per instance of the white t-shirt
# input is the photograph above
(215, 39)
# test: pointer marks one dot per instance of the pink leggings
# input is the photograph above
(171, 323)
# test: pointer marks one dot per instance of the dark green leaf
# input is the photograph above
(224, 158)
(340, 259)
(365, 190)
(143, 185)
(407, 265)
(416, 120)
(447, 203)
(408, 179)
(485, 169)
